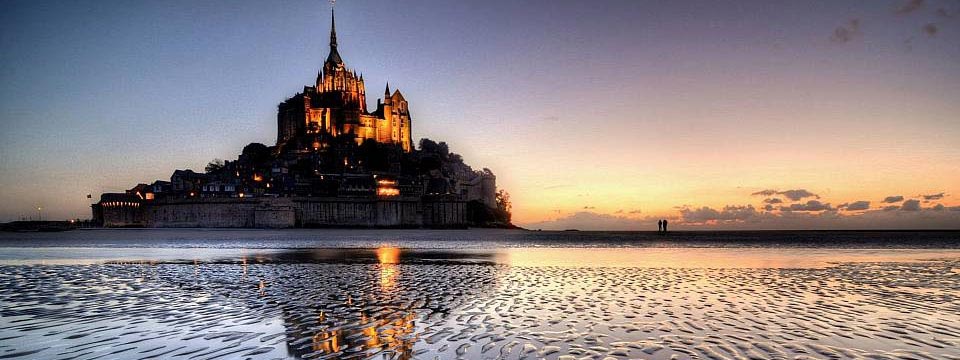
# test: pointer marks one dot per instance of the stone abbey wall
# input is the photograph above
(305, 212)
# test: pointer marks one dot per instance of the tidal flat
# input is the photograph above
(449, 301)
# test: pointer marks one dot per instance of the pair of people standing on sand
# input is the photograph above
(662, 225)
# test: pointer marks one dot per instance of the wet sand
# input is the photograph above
(518, 304)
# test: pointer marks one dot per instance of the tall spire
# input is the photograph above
(333, 29)
(334, 56)
(387, 91)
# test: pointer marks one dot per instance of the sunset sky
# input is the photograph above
(593, 114)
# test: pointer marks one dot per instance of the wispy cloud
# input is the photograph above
(892, 199)
(910, 7)
(855, 206)
(847, 32)
(812, 205)
(793, 195)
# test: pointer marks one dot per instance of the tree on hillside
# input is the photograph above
(257, 153)
(504, 206)
(215, 165)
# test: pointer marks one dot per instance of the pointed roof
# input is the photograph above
(398, 96)
(387, 91)
(334, 56)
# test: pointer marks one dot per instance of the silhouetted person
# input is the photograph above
(659, 225)
(664, 225)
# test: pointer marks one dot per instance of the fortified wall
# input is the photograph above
(289, 212)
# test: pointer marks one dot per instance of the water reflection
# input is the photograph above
(389, 257)
(381, 326)
(369, 302)
(401, 304)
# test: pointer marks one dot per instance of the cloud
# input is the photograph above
(930, 29)
(730, 213)
(637, 211)
(589, 207)
(911, 205)
(845, 33)
(765, 193)
(588, 220)
(933, 196)
(738, 212)
(924, 218)
(812, 205)
(892, 199)
(794, 195)
(773, 201)
(745, 217)
(701, 215)
(855, 206)
(909, 7)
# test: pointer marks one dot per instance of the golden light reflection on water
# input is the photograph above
(394, 334)
(388, 257)
(394, 331)
(328, 341)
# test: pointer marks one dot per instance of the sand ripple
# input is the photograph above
(478, 311)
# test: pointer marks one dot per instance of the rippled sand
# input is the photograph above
(477, 310)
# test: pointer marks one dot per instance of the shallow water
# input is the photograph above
(61, 301)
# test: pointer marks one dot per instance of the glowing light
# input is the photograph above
(150, 196)
(388, 191)
(257, 177)
(387, 187)
(388, 255)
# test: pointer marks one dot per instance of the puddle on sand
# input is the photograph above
(389, 303)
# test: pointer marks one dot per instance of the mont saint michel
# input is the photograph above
(335, 163)
(690, 180)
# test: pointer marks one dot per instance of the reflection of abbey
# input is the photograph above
(335, 163)
(337, 104)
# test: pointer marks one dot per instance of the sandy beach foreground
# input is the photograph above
(385, 303)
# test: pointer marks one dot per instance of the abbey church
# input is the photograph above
(336, 105)
(335, 163)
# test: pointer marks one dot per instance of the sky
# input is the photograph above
(595, 115)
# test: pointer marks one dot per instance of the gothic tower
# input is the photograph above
(336, 105)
